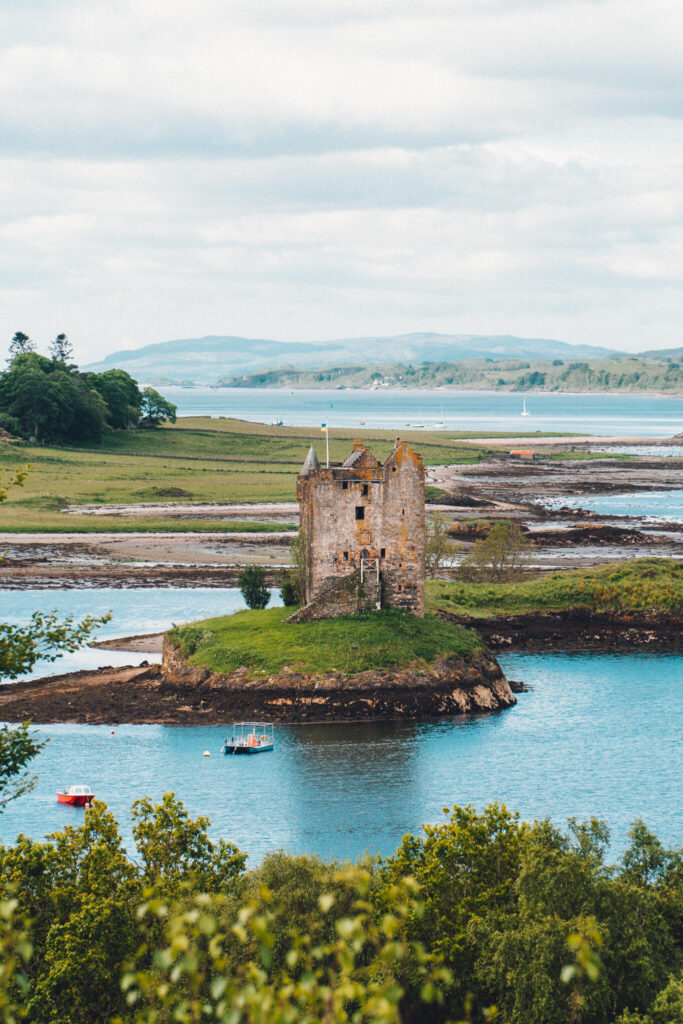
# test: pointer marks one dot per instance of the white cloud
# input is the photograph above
(320, 169)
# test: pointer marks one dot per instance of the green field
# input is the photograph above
(228, 461)
(265, 644)
(644, 584)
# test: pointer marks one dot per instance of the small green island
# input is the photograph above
(266, 644)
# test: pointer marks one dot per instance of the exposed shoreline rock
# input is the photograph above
(448, 686)
(577, 629)
(179, 694)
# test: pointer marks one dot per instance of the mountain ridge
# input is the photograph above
(208, 359)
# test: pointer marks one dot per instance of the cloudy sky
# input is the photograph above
(306, 169)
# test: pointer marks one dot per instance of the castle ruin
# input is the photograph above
(363, 530)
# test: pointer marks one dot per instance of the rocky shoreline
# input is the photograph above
(577, 629)
(176, 693)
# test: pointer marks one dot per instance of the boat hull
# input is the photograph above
(231, 748)
(75, 801)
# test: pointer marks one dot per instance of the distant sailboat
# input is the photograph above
(524, 410)
(441, 425)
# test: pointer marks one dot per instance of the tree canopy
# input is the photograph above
(479, 918)
(50, 400)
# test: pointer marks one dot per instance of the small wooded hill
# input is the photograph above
(648, 373)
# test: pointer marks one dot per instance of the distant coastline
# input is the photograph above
(616, 392)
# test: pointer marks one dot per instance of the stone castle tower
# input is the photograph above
(364, 532)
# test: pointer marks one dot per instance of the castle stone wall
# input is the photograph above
(369, 511)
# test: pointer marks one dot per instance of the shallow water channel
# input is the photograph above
(597, 734)
(148, 610)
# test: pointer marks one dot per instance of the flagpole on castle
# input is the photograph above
(324, 426)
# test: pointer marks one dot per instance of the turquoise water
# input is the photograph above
(148, 610)
(616, 415)
(657, 506)
(597, 734)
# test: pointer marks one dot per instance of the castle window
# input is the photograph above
(403, 511)
(360, 512)
(345, 485)
(365, 490)
(383, 552)
(346, 556)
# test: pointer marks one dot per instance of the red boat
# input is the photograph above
(77, 796)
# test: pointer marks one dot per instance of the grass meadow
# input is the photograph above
(198, 460)
(643, 584)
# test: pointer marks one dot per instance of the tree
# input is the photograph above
(289, 592)
(17, 747)
(439, 548)
(500, 555)
(121, 395)
(252, 583)
(61, 350)
(20, 344)
(45, 639)
(155, 409)
(292, 579)
(51, 401)
(176, 850)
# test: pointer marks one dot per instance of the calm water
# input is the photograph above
(616, 415)
(671, 451)
(655, 506)
(133, 611)
(598, 734)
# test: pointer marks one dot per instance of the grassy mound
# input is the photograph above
(264, 643)
(643, 584)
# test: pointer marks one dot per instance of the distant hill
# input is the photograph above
(674, 354)
(213, 358)
(632, 374)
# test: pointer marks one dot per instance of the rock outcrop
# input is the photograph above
(448, 686)
(577, 629)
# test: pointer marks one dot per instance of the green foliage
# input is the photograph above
(46, 638)
(264, 643)
(641, 584)
(155, 409)
(656, 373)
(439, 548)
(61, 350)
(20, 344)
(15, 953)
(177, 850)
(352, 976)
(292, 579)
(465, 867)
(480, 918)
(289, 591)
(252, 583)
(18, 746)
(121, 396)
(51, 401)
(499, 555)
